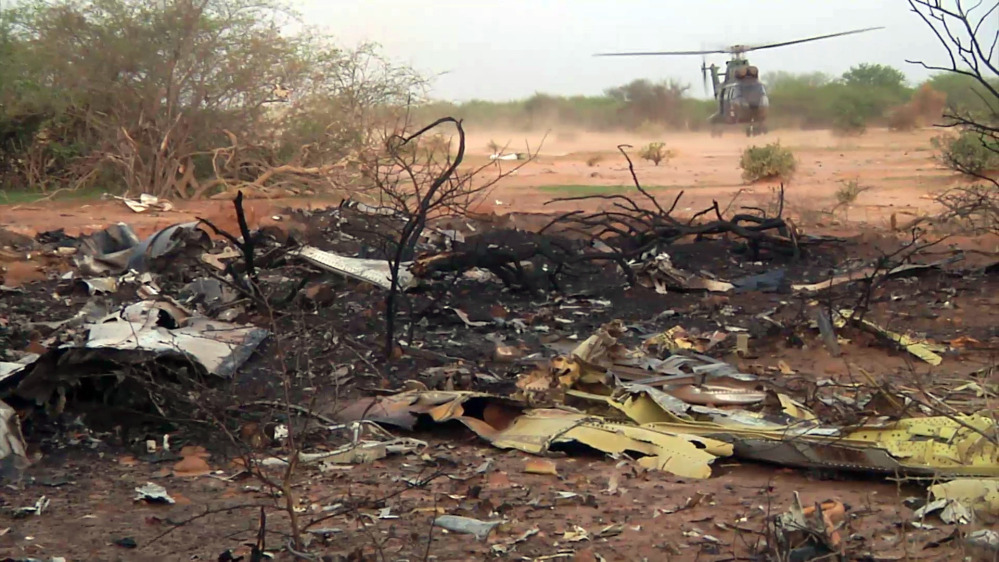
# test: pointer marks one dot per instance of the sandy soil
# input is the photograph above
(899, 169)
(540, 512)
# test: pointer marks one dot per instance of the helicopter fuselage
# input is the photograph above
(742, 98)
(743, 102)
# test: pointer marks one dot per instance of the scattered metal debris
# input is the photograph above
(809, 532)
(13, 458)
(36, 509)
(376, 272)
(163, 329)
(152, 492)
(467, 525)
(146, 202)
(684, 390)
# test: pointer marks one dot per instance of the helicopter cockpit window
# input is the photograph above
(754, 93)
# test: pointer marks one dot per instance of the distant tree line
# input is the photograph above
(865, 95)
(185, 98)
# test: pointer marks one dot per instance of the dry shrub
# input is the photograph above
(655, 152)
(904, 118)
(848, 193)
(594, 159)
(970, 153)
(437, 145)
(768, 162)
(925, 108)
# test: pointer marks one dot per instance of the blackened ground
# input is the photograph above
(327, 348)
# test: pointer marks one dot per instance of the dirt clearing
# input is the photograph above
(900, 169)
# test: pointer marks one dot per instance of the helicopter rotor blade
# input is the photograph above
(661, 53)
(736, 48)
(747, 48)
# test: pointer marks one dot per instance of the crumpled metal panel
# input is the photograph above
(13, 456)
(376, 272)
(940, 444)
(220, 347)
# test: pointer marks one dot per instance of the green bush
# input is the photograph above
(655, 152)
(849, 116)
(963, 94)
(767, 162)
(969, 152)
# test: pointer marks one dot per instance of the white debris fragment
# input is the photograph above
(153, 493)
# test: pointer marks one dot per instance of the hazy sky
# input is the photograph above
(509, 49)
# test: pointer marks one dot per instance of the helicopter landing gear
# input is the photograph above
(716, 131)
(753, 130)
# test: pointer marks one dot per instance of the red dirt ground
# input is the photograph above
(94, 506)
(97, 512)
(898, 168)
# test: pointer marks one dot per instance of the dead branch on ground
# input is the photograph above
(974, 207)
(882, 272)
(240, 167)
(632, 227)
(626, 229)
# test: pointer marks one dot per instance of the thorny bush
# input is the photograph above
(655, 152)
(768, 162)
(969, 152)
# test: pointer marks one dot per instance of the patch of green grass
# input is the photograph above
(25, 197)
(581, 190)
(920, 178)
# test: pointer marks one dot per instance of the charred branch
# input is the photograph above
(627, 231)
(246, 245)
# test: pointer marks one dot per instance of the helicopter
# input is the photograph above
(741, 96)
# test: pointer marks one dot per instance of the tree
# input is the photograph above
(541, 110)
(799, 99)
(152, 90)
(644, 101)
(416, 184)
(967, 34)
(965, 94)
(783, 80)
(865, 93)
(875, 76)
